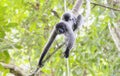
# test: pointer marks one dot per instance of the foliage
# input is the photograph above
(25, 26)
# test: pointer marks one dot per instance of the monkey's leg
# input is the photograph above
(70, 40)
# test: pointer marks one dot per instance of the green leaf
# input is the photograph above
(4, 56)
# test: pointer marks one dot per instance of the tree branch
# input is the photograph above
(17, 71)
(105, 6)
(48, 57)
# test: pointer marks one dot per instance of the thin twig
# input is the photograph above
(68, 68)
(105, 6)
(48, 57)
(55, 13)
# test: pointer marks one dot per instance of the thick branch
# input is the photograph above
(105, 6)
(17, 71)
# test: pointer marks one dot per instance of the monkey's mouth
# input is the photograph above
(60, 31)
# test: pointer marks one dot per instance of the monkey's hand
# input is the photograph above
(66, 53)
(41, 64)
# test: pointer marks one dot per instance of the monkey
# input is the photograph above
(68, 24)
(60, 28)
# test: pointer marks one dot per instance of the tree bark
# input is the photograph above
(17, 71)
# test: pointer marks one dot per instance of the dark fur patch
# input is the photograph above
(66, 53)
(61, 27)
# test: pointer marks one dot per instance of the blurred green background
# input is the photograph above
(25, 26)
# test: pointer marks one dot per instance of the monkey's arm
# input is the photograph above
(79, 22)
(47, 46)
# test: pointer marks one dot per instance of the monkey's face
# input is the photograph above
(61, 28)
